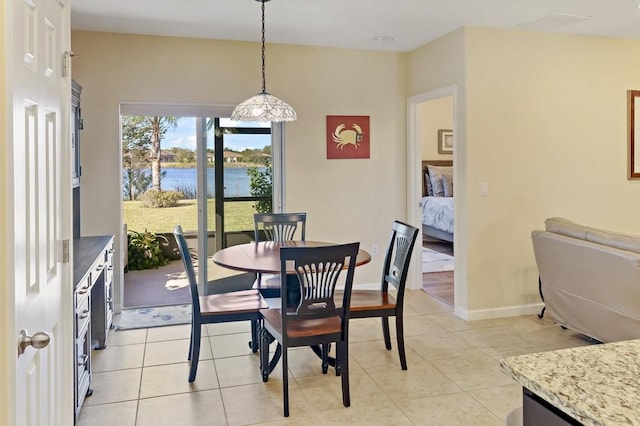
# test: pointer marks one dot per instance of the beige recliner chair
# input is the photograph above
(590, 279)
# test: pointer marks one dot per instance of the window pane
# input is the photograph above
(227, 122)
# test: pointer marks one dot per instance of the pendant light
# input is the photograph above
(263, 106)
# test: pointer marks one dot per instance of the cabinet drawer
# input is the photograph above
(82, 291)
(82, 354)
(96, 270)
(109, 318)
(83, 316)
(84, 380)
(109, 274)
(82, 365)
(109, 254)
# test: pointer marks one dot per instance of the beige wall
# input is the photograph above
(434, 115)
(346, 200)
(541, 118)
(543, 122)
(436, 65)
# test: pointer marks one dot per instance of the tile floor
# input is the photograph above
(453, 378)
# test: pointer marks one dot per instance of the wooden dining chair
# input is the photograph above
(379, 303)
(244, 305)
(278, 227)
(315, 319)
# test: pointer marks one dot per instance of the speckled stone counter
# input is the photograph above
(596, 385)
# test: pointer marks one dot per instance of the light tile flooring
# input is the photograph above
(453, 378)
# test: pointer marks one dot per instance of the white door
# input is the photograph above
(39, 210)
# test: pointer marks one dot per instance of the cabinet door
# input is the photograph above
(83, 369)
(82, 349)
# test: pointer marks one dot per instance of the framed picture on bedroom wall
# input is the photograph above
(445, 141)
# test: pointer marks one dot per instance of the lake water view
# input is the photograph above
(236, 180)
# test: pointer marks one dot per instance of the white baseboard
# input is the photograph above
(478, 314)
(507, 311)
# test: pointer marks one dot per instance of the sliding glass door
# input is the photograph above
(223, 171)
(235, 167)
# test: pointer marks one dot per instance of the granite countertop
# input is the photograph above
(596, 385)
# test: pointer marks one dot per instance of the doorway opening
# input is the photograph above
(431, 154)
(207, 174)
(436, 132)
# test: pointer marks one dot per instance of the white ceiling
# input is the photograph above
(353, 23)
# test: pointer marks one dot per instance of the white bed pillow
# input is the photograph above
(427, 180)
(447, 184)
(435, 174)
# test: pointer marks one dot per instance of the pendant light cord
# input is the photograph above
(264, 79)
(263, 107)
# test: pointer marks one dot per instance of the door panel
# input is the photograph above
(235, 203)
(40, 202)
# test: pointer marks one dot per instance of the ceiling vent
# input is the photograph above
(553, 21)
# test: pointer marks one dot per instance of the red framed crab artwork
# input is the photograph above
(347, 136)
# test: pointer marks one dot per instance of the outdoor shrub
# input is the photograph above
(157, 199)
(260, 183)
(145, 251)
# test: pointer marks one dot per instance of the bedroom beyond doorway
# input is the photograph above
(437, 268)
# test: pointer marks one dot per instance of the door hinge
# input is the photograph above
(65, 251)
(66, 62)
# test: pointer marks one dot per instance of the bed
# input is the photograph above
(437, 201)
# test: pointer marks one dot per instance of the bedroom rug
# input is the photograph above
(154, 317)
(433, 261)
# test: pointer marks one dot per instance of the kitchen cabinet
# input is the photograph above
(93, 306)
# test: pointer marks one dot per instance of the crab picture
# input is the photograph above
(343, 136)
(350, 131)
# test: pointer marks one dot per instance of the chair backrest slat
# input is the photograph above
(279, 227)
(188, 267)
(398, 256)
(318, 271)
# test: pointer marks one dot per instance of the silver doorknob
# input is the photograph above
(39, 340)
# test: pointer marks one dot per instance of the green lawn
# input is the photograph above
(238, 216)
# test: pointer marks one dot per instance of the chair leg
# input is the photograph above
(195, 351)
(385, 332)
(400, 337)
(342, 359)
(264, 354)
(254, 343)
(325, 358)
(285, 382)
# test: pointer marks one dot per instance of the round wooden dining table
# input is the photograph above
(264, 257)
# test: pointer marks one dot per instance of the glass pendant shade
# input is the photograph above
(263, 107)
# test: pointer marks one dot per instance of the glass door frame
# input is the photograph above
(219, 175)
(277, 161)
